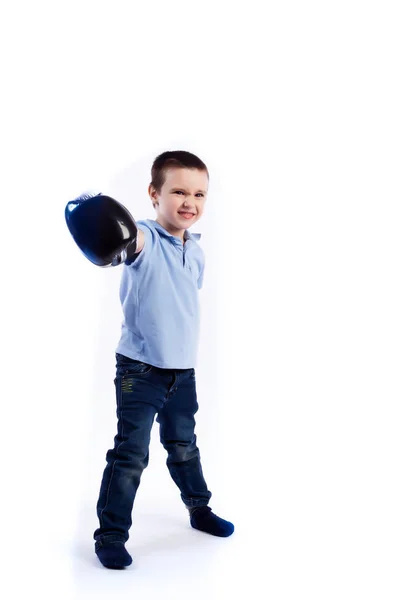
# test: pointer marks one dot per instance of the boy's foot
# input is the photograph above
(113, 555)
(202, 518)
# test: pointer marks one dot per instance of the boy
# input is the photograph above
(156, 357)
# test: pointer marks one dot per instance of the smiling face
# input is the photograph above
(181, 200)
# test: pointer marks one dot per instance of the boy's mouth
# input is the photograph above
(185, 214)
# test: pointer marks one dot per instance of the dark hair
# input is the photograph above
(174, 159)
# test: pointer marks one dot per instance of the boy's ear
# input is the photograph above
(153, 195)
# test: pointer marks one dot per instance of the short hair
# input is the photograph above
(174, 159)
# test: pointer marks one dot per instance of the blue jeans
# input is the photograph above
(142, 391)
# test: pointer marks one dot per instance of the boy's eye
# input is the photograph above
(180, 192)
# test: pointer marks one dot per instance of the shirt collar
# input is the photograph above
(187, 235)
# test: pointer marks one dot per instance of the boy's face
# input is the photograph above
(181, 201)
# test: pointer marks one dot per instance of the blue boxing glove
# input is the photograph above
(103, 229)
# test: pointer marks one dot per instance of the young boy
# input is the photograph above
(156, 357)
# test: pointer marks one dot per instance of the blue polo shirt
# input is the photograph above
(159, 297)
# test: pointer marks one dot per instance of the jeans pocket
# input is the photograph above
(128, 366)
(139, 368)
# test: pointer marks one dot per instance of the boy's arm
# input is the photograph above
(131, 256)
(139, 241)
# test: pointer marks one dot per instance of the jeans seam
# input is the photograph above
(113, 467)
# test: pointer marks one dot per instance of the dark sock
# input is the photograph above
(202, 518)
(113, 555)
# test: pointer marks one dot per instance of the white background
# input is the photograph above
(294, 107)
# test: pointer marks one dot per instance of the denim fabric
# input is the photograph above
(142, 392)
